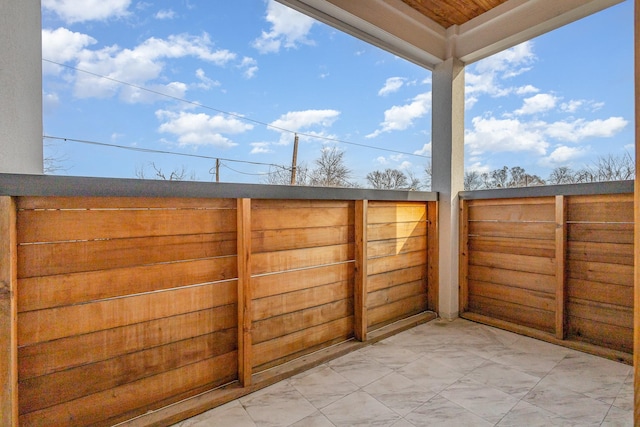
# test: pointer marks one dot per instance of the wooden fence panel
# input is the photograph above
(302, 278)
(396, 261)
(600, 274)
(511, 261)
(129, 304)
(562, 265)
(125, 305)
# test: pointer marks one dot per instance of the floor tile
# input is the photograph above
(486, 402)
(399, 393)
(441, 412)
(323, 387)
(360, 409)
(358, 368)
(567, 403)
(277, 405)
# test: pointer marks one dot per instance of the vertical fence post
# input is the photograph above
(360, 290)
(433, 276)
(561, 249)
(636, 239)
(244, 292)
(464, 257)
(8, 314)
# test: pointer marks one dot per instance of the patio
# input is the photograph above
(444, 373)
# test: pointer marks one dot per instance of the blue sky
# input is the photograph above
(562, 99)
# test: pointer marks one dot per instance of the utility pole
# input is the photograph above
(217, 170)
(295, 160)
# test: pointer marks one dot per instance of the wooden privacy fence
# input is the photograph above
(128, 304)
(559, 267)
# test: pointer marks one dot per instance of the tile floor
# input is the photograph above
(443, 374)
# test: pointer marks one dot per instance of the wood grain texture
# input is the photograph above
(79, 350)
(139, 396)
(244, 292)
(297, 280)
(46, 325)
(37, 293)
(72, 225)
(8, 313)
(360, 270)
(84, 256)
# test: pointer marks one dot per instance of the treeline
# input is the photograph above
(605, 168)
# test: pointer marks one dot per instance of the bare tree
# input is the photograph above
(388, 179)
(472, 181)
(613, 168)
(280, 175)
(562, 175)
(53, 161)
(330, 170)
(180, 174)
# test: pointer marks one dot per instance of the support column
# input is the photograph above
(636, 240)
(21, 83)
(448, 174)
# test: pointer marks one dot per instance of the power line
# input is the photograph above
(149, 150)
(235, 115)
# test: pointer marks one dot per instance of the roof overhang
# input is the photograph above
(400, 29)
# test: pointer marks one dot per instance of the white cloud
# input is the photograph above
(205, 82)
(289, 28)
(563, 155)
(165, 14)
(260, 148)
(537, 104)
(249, 67)
(62, 45)
(393, 84)
(424, 151)
(576, 104)
(298, 121)
(478, 167)
(525, 90)
(401, 117)
(405, 165)
(580, 129)
(72, 11)
(382, 160)
(504, 135)
(484, 78)
(513, 135)
(139, 66)
(50, 102)
(198, 129)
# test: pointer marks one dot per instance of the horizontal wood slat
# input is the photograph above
(526, 297)
(382, 213)
(145, 394)
(517, 279)
(530, 247)
(297, 300)
(296, 218)
(516, 230)
(527, 264)
(396, 277)
(74, 383)
(46, 325)
(279, 240)
(37, 293)
(542, 320)
(513, 212)
(75, 257)
(272, 262)
(303, 340)
(396, 262)
(387, 231)
(78, 350)
(292, 322)
(378, 317)
(396, 246)
(290, 281)
(70, 225)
